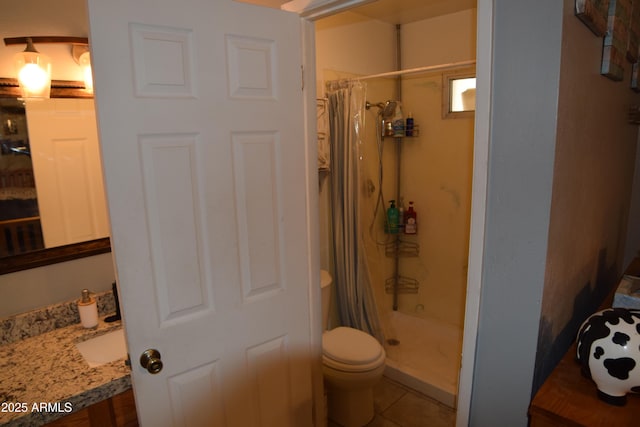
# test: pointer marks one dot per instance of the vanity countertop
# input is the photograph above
(43, 378)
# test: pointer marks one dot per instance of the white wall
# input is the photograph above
(348, 44)
(39, 287)
(437, 167)
(440, 40)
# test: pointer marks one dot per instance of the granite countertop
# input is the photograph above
(44, 377)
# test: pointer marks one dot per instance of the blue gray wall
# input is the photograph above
(526, 68)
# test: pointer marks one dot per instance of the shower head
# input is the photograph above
(385, 109)
(389, 109)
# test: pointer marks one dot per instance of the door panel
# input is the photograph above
(172, 202)
(256, 195)
(202, 131)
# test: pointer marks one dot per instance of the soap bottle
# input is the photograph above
(409, 125)
(400, 215)
(393, 218)
(88, 309)
(410, 220)
(398, 121)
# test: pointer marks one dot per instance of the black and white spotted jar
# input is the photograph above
(608, 350)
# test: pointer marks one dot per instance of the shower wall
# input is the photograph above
(436, 175)
(436, 166)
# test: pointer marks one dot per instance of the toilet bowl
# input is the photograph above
(352, 363)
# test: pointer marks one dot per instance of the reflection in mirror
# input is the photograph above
(51, 191)
(20, 228)
(63, 142)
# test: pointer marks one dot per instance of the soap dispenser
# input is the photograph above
(393, 219)
(88, 309)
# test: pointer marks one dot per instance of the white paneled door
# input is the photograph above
(200, 113)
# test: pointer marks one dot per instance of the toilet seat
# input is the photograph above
(350, 350)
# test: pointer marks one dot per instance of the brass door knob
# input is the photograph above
(150, 360)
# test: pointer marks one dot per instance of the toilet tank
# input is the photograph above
(325, 286)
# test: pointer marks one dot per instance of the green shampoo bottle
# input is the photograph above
(392, 223)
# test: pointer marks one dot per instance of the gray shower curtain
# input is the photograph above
(354, 295)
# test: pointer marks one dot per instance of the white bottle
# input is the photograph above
(398, 121)
(88, 309)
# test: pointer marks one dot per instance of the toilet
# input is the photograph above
(352, 363)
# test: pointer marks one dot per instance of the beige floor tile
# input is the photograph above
(413, 410)
(398, 406)
(385, 394)
(380, 421)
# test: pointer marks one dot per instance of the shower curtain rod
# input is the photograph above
(439, 67)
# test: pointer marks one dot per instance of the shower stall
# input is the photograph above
(418, 280)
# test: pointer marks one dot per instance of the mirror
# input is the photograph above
(26, 247)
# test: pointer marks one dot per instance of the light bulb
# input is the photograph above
(34, 73)
(33, 77)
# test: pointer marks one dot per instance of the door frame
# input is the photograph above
(482, 133)
(312, 10)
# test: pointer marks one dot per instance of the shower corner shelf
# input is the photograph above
(401, 284)
(401, 248)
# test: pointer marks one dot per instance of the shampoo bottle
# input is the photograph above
(409, 126)
(410, 220)
(88, 309)
(393, 219)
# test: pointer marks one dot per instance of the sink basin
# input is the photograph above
(104, 348)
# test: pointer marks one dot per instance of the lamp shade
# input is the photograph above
(34, 72)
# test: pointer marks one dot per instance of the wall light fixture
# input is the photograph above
(33, 69)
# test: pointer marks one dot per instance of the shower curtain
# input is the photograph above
(354, 295)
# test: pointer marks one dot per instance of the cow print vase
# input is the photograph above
(608, 350)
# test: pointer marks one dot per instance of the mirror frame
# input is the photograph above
(55, 255)
(9, 88)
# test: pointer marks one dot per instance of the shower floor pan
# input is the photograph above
(426, 356)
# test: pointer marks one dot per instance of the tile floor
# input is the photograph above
(399, 406)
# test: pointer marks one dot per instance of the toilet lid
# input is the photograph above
(350, 346)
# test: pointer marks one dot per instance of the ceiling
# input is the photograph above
(406, 11)
(69, 16)
(31, 18)
(397, 11)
